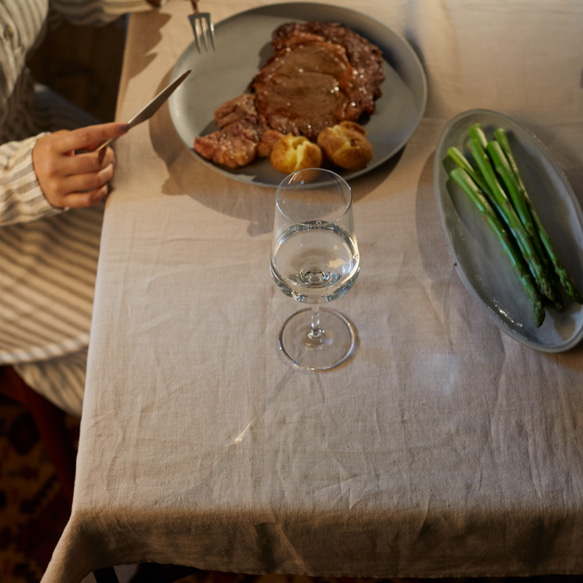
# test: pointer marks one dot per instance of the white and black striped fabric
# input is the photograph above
(48, 257)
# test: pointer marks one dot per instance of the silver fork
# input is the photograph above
(202, 27)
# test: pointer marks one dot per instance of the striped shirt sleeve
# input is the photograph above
(21, 197)
(98, 11)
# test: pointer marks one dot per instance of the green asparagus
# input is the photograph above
(524, 212)
(477, 133)
(564, 277)
(458, 157)
(494, 184)
(519, 203)
(478, 198)
(512, 220)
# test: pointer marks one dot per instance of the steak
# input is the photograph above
(234, 144)
(242, 135)
(320, 74)
(302, 90)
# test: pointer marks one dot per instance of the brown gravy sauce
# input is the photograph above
(303, 90)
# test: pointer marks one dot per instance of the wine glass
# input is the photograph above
(315, 259)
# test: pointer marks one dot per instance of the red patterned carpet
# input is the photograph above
(33, 510)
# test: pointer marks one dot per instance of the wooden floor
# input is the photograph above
(83, 64)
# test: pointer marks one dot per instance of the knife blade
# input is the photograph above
(150, 108)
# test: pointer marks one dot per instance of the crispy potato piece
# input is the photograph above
(346, 145)
(291, 153)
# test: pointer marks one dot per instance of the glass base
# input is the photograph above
(334, 343)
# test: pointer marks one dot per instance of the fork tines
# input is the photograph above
(204, 30)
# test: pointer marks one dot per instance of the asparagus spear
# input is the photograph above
(501, 162)
(477, 133)
(504, 170)
(511, 219)
(502, 138)
(480, 201)
(523, 210)
(564, 277)
(458, 157)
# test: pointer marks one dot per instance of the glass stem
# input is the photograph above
(316, 334)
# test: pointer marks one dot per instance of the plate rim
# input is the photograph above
(421, 97)
(438, 173)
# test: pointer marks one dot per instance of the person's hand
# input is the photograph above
(69, 173)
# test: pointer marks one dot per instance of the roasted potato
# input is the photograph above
(346, 145)
(291, 153)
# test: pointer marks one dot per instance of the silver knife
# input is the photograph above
(151, 108)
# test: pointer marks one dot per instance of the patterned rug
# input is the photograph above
(34, 511)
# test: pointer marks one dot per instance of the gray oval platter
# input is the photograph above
(482, 266)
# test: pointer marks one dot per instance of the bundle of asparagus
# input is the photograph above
(495, 186)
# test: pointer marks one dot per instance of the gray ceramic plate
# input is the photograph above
(481, 264)
(243, 44)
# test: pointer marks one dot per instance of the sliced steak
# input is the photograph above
(239, 109)
(320, 74)
(304, 89)
(329, 72)
(363, 55)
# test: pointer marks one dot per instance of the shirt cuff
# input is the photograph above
(36, 204)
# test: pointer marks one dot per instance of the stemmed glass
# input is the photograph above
(315, 259)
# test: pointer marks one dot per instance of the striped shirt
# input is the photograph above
(48, 257)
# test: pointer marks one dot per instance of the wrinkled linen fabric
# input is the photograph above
(443, 448)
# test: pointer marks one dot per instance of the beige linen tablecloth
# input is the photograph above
(443, 448)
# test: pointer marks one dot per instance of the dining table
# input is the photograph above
(447, 445)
